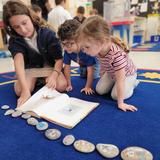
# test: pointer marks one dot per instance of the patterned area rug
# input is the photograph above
(106, 124)
(153, 47)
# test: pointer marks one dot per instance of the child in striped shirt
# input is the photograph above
(118, 73)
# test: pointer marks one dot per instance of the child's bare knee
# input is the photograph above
(114, 95)
(100, 90)
(62, 87)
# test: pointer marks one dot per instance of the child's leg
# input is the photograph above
(131, 83)
(61, 83)
(96, 69)
(83, 71)
(105, 84)
(30, 81)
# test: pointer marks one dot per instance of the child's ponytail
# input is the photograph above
(120, 43)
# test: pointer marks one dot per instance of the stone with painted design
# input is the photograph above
(84, 146)
(68, 140)
(52, 134)
(32, 121)
(107, 150)
(42, 126)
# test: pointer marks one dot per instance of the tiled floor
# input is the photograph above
(146, 60)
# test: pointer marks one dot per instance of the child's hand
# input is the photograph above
(69, 88)
(51, 82)
(25, 95)
(125, 107)
(87, 90)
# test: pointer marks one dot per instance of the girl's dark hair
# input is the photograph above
(36, 8)
(81, 10)
(16, 7)
(68, 29)
(57, 2)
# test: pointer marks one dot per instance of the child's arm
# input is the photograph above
(20, 72)
(88, 87)
(52, 79)
(67, 71)
(120, 84)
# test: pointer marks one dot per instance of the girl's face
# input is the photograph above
(70, 46)
(91, 47)
(22, 25)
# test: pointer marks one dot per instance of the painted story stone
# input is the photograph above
(84, 146)
(42, 126)
(32, 121)
(107, 150)
(68, 140)
(52, 134)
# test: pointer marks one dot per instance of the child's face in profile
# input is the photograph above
(39, 14)
(70, 46)
(23, 25)
(91, 47)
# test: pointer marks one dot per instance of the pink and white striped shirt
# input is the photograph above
(115, 60)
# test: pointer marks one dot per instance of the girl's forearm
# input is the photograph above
(57, 68)
(58, 65)
(120, 92)
(67, 71)
(120, 85)
(20, 71)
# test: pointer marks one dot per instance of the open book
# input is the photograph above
(57, 107)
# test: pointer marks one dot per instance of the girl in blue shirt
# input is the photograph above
(33, 45)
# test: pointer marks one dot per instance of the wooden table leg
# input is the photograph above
(1, 40)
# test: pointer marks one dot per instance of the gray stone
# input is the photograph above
(32, 121)
(52, 134)
(84, 146)
(68, 140)
(5, 107)
(136, 153)
(26, 116)
(9, 112)
(42, 126)
(107, 150)
(16, 114)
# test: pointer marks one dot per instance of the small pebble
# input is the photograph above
(9, 112)
(16, 114)
(42, 126)
(68, 140)
(32, 121)
(84, 146)
(107, 150)
(5, 107)
(26, 116)
(52, 134)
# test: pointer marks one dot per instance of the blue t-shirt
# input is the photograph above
(81, 58)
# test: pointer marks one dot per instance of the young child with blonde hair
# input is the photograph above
(118, 73)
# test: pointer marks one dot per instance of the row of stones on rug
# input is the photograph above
(106, 150)
(53, 134)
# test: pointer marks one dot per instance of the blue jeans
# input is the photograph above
(83, 70)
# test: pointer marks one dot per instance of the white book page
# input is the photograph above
(52, 106)
(70, 114)
(38, 99)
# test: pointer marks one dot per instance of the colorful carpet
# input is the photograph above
(153, 47)
(106, 124)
